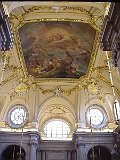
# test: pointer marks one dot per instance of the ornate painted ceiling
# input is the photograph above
(57, 49)
(56, 45)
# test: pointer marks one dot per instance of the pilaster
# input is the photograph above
(34, 141)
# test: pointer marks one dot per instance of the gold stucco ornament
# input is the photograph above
(20, 88)
(94, 89)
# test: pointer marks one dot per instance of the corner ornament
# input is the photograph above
(94, 89)
(19, 89)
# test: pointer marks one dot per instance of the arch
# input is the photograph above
(72, 127)
(99, 152)
(12, 151)
(53, 100)
(57, 108)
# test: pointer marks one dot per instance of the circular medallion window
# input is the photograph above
(17, 116)
(96, 117)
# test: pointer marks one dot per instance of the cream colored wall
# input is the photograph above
(40, 97)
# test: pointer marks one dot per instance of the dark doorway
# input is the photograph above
(12, 153)
(100, 153)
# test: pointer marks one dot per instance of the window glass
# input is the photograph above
(56, 128)
(96, 117)
(17, 116)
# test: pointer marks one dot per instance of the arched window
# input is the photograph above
(117, 109)
(57, 128)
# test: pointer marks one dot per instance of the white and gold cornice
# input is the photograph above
(17, 4)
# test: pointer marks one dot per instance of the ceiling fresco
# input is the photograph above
(56, 49)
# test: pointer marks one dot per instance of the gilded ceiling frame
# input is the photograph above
(22, 62)
(22, 20)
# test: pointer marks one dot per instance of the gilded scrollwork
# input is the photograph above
(51, 9)
(22, 21)
(91, 20)
(6, 67)
(6, 58)
(13, 68)
(108, 82)
(92, 87)
(20, 88)
(107, 9)
(19, 50)
(15, 71)
(67, 92)
(34, 86)
(57, 111)
(102, 99)
(23, 66)
(103, 68)
(11, 77)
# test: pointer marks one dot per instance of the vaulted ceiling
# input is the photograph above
(56, 44)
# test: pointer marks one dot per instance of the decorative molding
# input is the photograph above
(11, 77)
(33, 144)
(57, 111)
(108, 82)
(61, 9)
(68, 80)
(78, 144)
(94, 89)
(67, 92)
(107, 9)
(19, 88)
